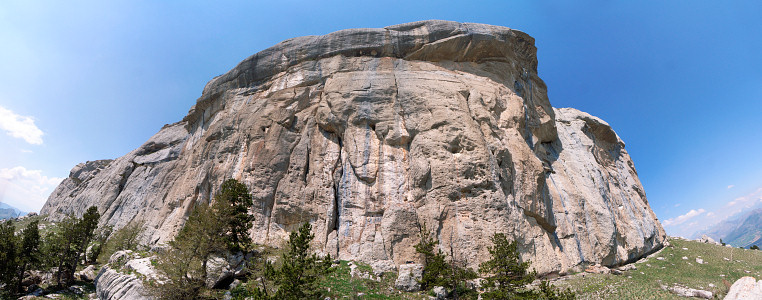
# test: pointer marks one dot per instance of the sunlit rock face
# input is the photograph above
(370, 134)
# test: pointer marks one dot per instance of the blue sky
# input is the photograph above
(680, 81)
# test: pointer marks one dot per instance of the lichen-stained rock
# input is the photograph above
(370, 134)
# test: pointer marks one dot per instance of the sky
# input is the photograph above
(679, 81)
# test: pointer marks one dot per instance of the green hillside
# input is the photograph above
(669, 268)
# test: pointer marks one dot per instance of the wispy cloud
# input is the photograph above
(18, 126)
(749, 199)
(26, 189)
(731, 186)
(681, 219)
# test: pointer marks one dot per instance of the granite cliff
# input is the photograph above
(370, 133)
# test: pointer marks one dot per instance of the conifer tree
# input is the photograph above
(8, 251)
(435, 268)
(506, 275)
(184, 264)
(29, 254)
(233, 201)
(299, 272)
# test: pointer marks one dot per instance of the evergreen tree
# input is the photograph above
(299, 272)
(60, 249)
(437, 271)
(435, 268)
(8, 251)
(184, 264)
(66, 244)
(506, 277)
(234, 201)
(29, 254)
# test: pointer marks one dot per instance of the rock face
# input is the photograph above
(746, 288)
(371, 133)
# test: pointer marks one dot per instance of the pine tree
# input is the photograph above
(506, 277)
(435, 268)
(66, 244)
(184, 264)
(29, 254)
(233, 201)
(300, 270)
(8, 251)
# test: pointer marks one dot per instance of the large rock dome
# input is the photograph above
(370, 134)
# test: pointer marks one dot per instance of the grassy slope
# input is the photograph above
(342, 285)
(645, 282)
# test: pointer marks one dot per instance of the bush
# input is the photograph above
(125, 238)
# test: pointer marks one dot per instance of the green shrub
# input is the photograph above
(125, 238)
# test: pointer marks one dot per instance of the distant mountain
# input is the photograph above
(742, 230)
(8, 212)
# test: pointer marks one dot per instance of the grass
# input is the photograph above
(44, 225)
(342, 285)
(720, 263)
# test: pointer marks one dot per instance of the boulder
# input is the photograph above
(440, 293)
(119, 278)
(688, 292)
(370, 133)
(219, 273)
(408, 277)
(708, 240)
(745, 288)
(112, 285)
(87, 274)
(597, 269)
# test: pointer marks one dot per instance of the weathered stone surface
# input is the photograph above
(117, 279)
(219, 273)
(408, 277)
(746, 288)
(87, 274)
(111, 284)
(688, 292)
(369, 134)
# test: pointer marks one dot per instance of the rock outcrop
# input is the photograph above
(123, 277)
(371, 133)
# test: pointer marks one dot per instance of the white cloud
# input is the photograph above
(26, 189)
(20, 126)
(730, 186)
(677, 204)
(681, 219)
